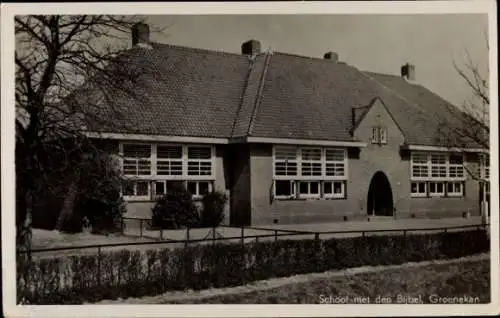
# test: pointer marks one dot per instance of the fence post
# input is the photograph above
(122, 225)
(213, 235)
(275, 235)
(161, 233)
(242, 235)
(187, 236)
(140, 222)
(317, 250)
(404, 233)
(99, 266)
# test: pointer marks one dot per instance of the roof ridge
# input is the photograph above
(394, 93)
(259, 93)
(195, 49)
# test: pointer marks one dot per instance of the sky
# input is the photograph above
(377, 43)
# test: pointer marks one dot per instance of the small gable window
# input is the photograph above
(379, 135)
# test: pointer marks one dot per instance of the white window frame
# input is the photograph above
(155, 177)
(197, 195)
(309, 195)
(293, 189)
(430, 165)
(299, 176)
(136, 159)
(484, 166)
(419, 194)
(437, 194)
(334, 195)
(379, 135)
(454, 193)
(136, 197)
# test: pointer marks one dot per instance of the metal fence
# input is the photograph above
(274, 235)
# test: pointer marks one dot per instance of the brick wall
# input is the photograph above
(362, 165)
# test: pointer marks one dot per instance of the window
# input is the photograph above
(436, 189)
(159, 167)
(375, 135)
(199, 188)
(335, 162)
(284, 188)
(199, 161)
(135, 189)
(169, 160)
(456, 166)
(438, 165)
(334, 189)
(484, 166)
(311, 161)
(455, 189)
(309, 189)
(285, 161)
(419, 189)
(302, 172)
(136, 160)
(420, 165)
(379, 135)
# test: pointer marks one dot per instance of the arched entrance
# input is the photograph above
(380, 196)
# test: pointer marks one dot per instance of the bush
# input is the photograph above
(90, 278)
(175, 209)
(98, 183)
(212, 213)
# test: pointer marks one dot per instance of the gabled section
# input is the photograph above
(364, 110)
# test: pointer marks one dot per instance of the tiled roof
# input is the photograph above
(202, 93)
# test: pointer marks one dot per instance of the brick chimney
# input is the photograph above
(334, 57)
(408, 72)
(140, 35)
(251, 47)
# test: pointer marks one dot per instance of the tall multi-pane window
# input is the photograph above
(309, 172)
(150, 170)
(437, 174)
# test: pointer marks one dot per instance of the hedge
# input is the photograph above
(122, 274)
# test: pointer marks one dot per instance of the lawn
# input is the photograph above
(409, 283)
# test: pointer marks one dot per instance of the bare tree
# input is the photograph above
(67, 68)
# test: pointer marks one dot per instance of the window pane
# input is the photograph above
(335, 154)
(169, 152)
(137, 151)
(335, 169)
(456, 159)
(458, 187)
(314, 187)
(311, 154)
(199, 153)
(438, 158)
(142, 188)
(450, 187)
(286, 153)
(337, 187)
(414, 187)
(303, 188)
(327, 188)
(421, 187)
(432, 186)
(173, 168)
(159, 187)
(286, 168)
(419, 157)
(440, 187)
(283, 187)
(203, 187)
(191, 186)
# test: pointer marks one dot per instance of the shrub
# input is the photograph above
(212, 213)
(175, 209)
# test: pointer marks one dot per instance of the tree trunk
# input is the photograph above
(68, 204)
